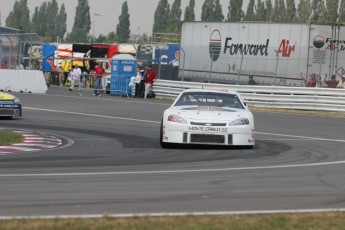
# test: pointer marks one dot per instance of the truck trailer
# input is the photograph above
(274, 53)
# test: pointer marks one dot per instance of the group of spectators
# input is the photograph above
(18, 66)
(144, 81)
(314, 81)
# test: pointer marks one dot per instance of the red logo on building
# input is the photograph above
(285, 48)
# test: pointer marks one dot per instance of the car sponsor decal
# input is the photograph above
(9, 106)
(207, 129)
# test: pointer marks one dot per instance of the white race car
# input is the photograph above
(208, 117)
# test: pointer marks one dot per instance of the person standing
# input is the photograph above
(75, 76)
(5, 65)
(138, 79)
(61, 75)
(332, 83)
(19, 66)
(143, 75)
(151, 76)
(98, 71)
(311, 82)
(251, 80)
(341, 83)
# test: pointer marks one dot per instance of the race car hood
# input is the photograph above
(210, 113)
(6, 97)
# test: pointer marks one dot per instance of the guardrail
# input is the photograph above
(302, 98)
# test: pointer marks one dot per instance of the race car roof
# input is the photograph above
(225, 91)
(6, 96)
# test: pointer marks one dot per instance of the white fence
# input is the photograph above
(303, 98)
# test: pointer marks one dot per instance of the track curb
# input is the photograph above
(34, 141)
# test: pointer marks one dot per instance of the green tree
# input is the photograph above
(82, 22)
(282, 11)
(189, 15)
(276, 14)
(51, 20)
(61, 26)
(319, 12)
(235, 10)
(122, 29)
(101, 39)
(260, 11)
(304, 11)
(112, 38)
(207, 11)
(39, 20)
(290, 11)
(161, 17)
(269, 11)
(48, 22)
(19, 17)
(78, 35)
(341, 18)
(332, 11)
(174, 20)
(250, 14)
(217, 13)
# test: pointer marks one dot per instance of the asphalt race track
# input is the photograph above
(111, 162)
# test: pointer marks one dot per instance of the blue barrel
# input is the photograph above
(124, 66)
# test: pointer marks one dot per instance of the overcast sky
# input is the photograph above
(141, 13)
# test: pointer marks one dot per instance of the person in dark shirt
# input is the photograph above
(251, 80)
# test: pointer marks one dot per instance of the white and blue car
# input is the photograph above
(208, 117)
(10, 106)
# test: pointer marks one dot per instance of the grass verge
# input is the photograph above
(314, 221)
(299, 112)
(9, 137)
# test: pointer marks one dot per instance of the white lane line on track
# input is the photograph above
(143, 101)
(171, 171)
(92, 115)
(158, 122)
(175, 214)
(295, 136)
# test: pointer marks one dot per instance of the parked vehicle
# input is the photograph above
(273, 53)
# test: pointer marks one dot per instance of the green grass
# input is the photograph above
(8, 137)
(315, 221)
(299, 112)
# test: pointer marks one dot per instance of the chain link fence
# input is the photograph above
(20, 50)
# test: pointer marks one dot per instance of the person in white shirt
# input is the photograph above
(75, 76)
(341, 83)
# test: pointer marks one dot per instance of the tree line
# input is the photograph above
(50, 21)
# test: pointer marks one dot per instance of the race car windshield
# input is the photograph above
(210, 99)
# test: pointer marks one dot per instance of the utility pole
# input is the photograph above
(94, 24)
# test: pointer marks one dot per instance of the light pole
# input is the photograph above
(94, 24)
